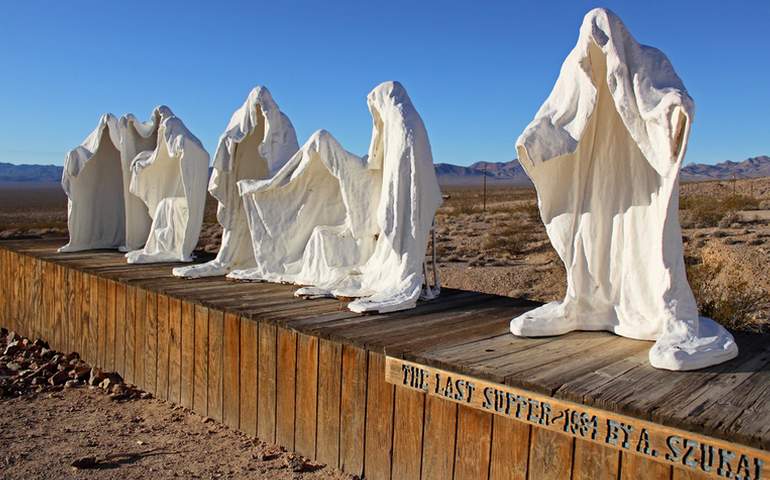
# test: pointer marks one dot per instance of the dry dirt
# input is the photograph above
(50, 429)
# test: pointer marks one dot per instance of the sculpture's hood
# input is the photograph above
(649, 96)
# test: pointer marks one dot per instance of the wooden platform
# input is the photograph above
(311, 375)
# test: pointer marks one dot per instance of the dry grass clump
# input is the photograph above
(725, 293)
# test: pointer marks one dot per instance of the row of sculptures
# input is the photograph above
(604, 153)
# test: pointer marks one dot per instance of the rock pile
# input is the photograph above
(32, 367)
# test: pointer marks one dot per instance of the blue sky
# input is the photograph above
(477, 71)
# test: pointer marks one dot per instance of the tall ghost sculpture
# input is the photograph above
(137, 137)
(171, 181)
(348, 226)
(93, 181)
(604, 153)
(257, 142)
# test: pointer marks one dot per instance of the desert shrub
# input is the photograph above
(740, 202)
(702, 211)
(508, 239)
(725, 295)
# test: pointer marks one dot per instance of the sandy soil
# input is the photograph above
(58, 423)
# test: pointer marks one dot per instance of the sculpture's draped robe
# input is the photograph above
(93, 180)
(171, 181)
(348, 226)
(604, 153)
(258, 141)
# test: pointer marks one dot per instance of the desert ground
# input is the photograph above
(498, 248)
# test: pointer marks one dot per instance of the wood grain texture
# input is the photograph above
(353, 409)
(231, 370)
(379, 420)
(93, 322)
(120, 329)
(595, 462)
(102, 344)
(249, 367)
(329, 395)
(681, 473)
(128, 372)
(550, 454)
(201, 360)
(150, 356)
(438, 449)
(161, 365)
(307, 396)
(188, 349)
(408, 416)
(110, 327)
(510, 449)
(175, 350)
(286, 383)
(216, 366)
(474, 440)
(633, 467)
(267, 382)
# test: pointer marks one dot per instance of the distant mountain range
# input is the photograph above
(512, 173)
(498, 173)
(29, 173)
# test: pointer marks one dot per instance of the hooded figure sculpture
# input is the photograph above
(604, 153)
(93, 181)
(171, 181)
(258, 141)
(348, 226)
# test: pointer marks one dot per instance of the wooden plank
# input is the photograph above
(249, 366)
(188, 355)
(510, 449)
(201, 360)
(550, 454)
(379, 420)
(110, 327)
(151, 343)
(438, 450)
(633, 467)
(408, 416)
(307, 395)
(286, 383)
(266, 393)
(101, 321)
(140, 344)
(70, 310)
(329, 394)
(58, 314)
(93, 322)
(231, 370)
(595, 462)
(353, 409)
(474, 440)
(120, 329)
(130, 335)
(175, 350)
(215, 378)
(161, 365)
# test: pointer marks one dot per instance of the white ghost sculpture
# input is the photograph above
(171, 181)
(257, 142)
(137, 137)
(93, 181)
(604, 153)
(348, 226)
